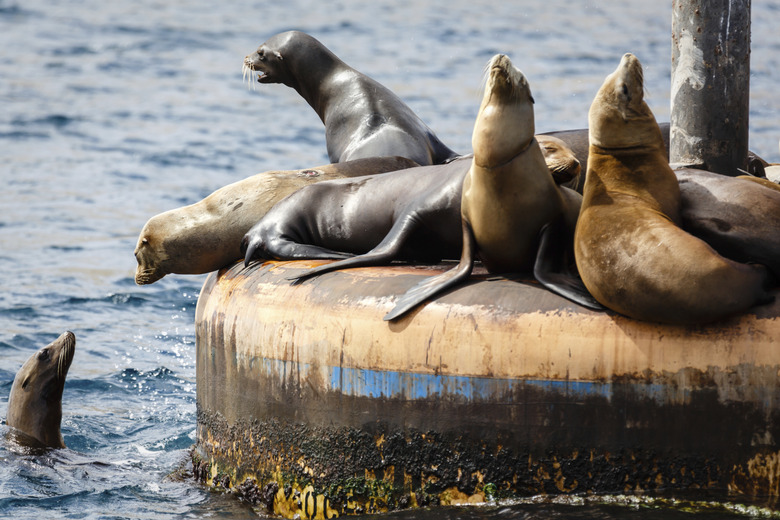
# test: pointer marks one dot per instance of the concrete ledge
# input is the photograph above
(310, 404)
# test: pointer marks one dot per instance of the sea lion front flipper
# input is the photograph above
(439, 283)
(549, 268)
(384, 252)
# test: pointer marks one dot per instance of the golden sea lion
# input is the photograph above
(513, 215)
(630, 251)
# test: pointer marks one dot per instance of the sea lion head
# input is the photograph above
(561, 161)
(619, 116)
(269, 58)
(505, 123)
(150, 255)
(35, 403)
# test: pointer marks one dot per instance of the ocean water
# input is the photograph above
(113, 112)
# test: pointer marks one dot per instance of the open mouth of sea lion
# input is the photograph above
(248, 68)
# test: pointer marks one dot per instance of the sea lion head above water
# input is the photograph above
(35, 402)
(561, 161)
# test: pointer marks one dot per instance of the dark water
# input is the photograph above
(113, 112)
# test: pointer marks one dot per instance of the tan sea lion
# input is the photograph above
(35, 403)
(763, 181)
(362, 117)
(513, 215)
(561, 161)
(206, 236)
(630, 251)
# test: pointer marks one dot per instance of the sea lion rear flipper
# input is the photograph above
(550, 272)
(384, 252)
(260, 246)
(439, 283)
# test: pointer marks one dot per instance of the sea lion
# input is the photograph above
(577, 141)
(763, 181)
(35, 403)
(337, 219)
(740, 221)
(631, 253)
(362, 117)
(206, 236)
(341, 218)
(512, 213)
(737, 216)
(561, 161)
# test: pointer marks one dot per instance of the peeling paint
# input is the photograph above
(690, 67)
(310, 409)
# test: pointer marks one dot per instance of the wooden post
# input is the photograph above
(710, 93)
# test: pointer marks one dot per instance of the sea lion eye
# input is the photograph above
(625, 90)
(43, 355)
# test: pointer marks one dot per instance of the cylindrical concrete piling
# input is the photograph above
(710, 84)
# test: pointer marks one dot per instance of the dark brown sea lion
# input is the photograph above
(416, 211)
(738, 217)
(631, 252)
(35, 403)
(513, 214)
(362, 117)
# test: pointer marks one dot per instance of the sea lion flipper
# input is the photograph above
(439, 283)
(550, 272)
(384, 252)
(258, 245)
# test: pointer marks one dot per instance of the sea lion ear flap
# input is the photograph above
(278, 55)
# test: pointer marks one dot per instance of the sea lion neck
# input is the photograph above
(323, 70)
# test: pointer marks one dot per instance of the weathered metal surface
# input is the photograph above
(710, 91)
(310, 404)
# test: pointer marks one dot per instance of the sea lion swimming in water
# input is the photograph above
(35, 403)
(362, 117)
(631, 253)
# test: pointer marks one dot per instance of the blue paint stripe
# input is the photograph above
(360, 382)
